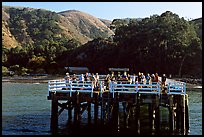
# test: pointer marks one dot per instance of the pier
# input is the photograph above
(146, 108)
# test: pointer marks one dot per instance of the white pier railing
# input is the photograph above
(176, 88)
(63, 86)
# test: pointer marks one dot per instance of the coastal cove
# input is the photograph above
(102, 68)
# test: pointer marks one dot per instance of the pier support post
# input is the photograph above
(96, 108)
(137, 114)
(69, 111)
(54, 114)
(103, 106)
(125, 114)
(187, 114)
(76, 108)
(116, 119)
(183, 125)
(89, 111)
(171, 114)
(150, 109)
(157, 115)
(178, 114)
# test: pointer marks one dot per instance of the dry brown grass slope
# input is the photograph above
(8, 40)
(86, 24)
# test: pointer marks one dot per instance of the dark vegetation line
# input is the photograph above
(162, 43)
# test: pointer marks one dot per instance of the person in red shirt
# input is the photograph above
(156, 77)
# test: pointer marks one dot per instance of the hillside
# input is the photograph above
(22, 25)
(86, 24)
(47, 41)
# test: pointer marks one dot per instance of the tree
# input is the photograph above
(193, 49)
(36, 63)
(4, 71)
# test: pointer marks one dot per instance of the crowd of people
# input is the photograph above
(140, 78)
(132, 79)
(83, 77)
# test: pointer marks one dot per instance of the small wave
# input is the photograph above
(197, 87)
(36, 83)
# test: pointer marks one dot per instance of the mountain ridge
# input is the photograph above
(73, 24)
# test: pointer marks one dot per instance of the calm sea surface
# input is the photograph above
(26, 110)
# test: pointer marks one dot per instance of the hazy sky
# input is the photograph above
(113, 10)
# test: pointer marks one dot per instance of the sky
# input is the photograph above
(116, 10)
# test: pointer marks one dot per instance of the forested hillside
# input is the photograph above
(45, 42)
(165, 44)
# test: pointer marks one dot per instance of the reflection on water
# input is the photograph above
(26, 111)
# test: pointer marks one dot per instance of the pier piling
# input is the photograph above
(54, 114)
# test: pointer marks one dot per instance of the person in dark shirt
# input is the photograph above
(147, 78)
(86, 77)
(124, 76)
(163, 83)
(163, 79)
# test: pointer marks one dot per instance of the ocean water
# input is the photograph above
(26, 110)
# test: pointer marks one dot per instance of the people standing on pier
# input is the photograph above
(107, 77)
(163, 80)
(133, 79)
(143, 80)
(157, 77)
(93, 79)
(67, 76)
(97, 80)
(74, 77)
(67, 79)
(140, 77)
(112, 76)
(118, 76)
(81, 78)
(163, 83)
(148, 78)
(128, 77)
(107, 81)
(124, 76)
(153, 79)
(86, 77)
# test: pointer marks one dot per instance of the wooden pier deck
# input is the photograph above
(146, 107)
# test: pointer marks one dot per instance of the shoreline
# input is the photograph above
(31, 79)
(45, 79)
